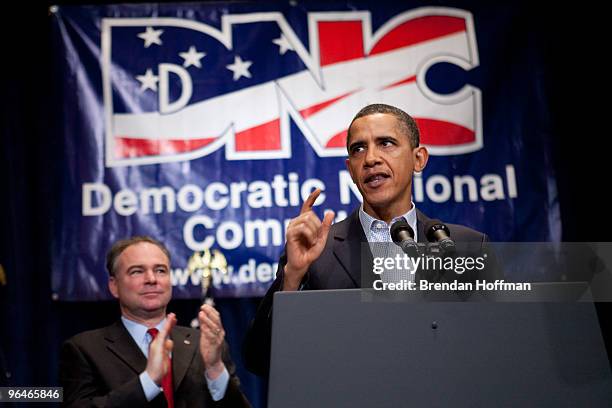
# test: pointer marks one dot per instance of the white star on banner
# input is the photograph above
(148, 81)
(240, 68)
(192, 57)
(283, 44)
(151, 36)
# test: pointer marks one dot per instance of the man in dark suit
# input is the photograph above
(143, 359)
(383, 153)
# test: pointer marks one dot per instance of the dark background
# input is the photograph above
(33, 326)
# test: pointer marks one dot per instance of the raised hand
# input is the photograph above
(159, 351)
(212, 335)
(306, 238)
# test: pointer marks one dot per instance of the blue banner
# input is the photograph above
(206, 125)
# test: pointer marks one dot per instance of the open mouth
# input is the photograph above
(375, 180)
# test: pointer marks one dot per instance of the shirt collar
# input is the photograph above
(369, 223)
(139, 331)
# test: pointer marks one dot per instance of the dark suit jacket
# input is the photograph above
(100, 368)
(338, 267)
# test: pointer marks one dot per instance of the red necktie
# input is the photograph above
(167, 380)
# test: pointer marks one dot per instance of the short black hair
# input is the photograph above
(121, 245)
(406, 123)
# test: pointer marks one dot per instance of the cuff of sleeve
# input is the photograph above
(218, 386)
(151, 390)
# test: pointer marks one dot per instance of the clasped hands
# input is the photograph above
(212, 336)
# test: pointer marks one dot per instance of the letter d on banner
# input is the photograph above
(165, 106)
(103, 195)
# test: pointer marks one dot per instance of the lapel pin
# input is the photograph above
(186, 341)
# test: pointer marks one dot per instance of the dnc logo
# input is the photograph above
(178, 89)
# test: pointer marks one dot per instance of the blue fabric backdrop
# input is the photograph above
(205, 125)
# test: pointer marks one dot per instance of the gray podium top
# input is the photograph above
(345, 348)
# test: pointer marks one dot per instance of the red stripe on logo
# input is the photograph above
(262, 137)
(340, 41)
(418, 30)
(320, 106)
(338, 140)
(129, 147)
(439, 133)
(401, 82)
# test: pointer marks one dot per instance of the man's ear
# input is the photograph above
(421, 155)
(112, 286)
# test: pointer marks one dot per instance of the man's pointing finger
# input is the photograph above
(309, 202)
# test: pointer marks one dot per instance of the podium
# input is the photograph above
(348, 348)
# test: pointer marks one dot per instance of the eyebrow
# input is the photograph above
(386, 137)
(143, 266)
(376, 138)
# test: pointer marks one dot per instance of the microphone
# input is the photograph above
(403, 235)
(438, 232)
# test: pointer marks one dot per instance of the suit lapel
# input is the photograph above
(348, 240)
(185, 346)
(432, 275)
(422, 219)
(121, 344)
